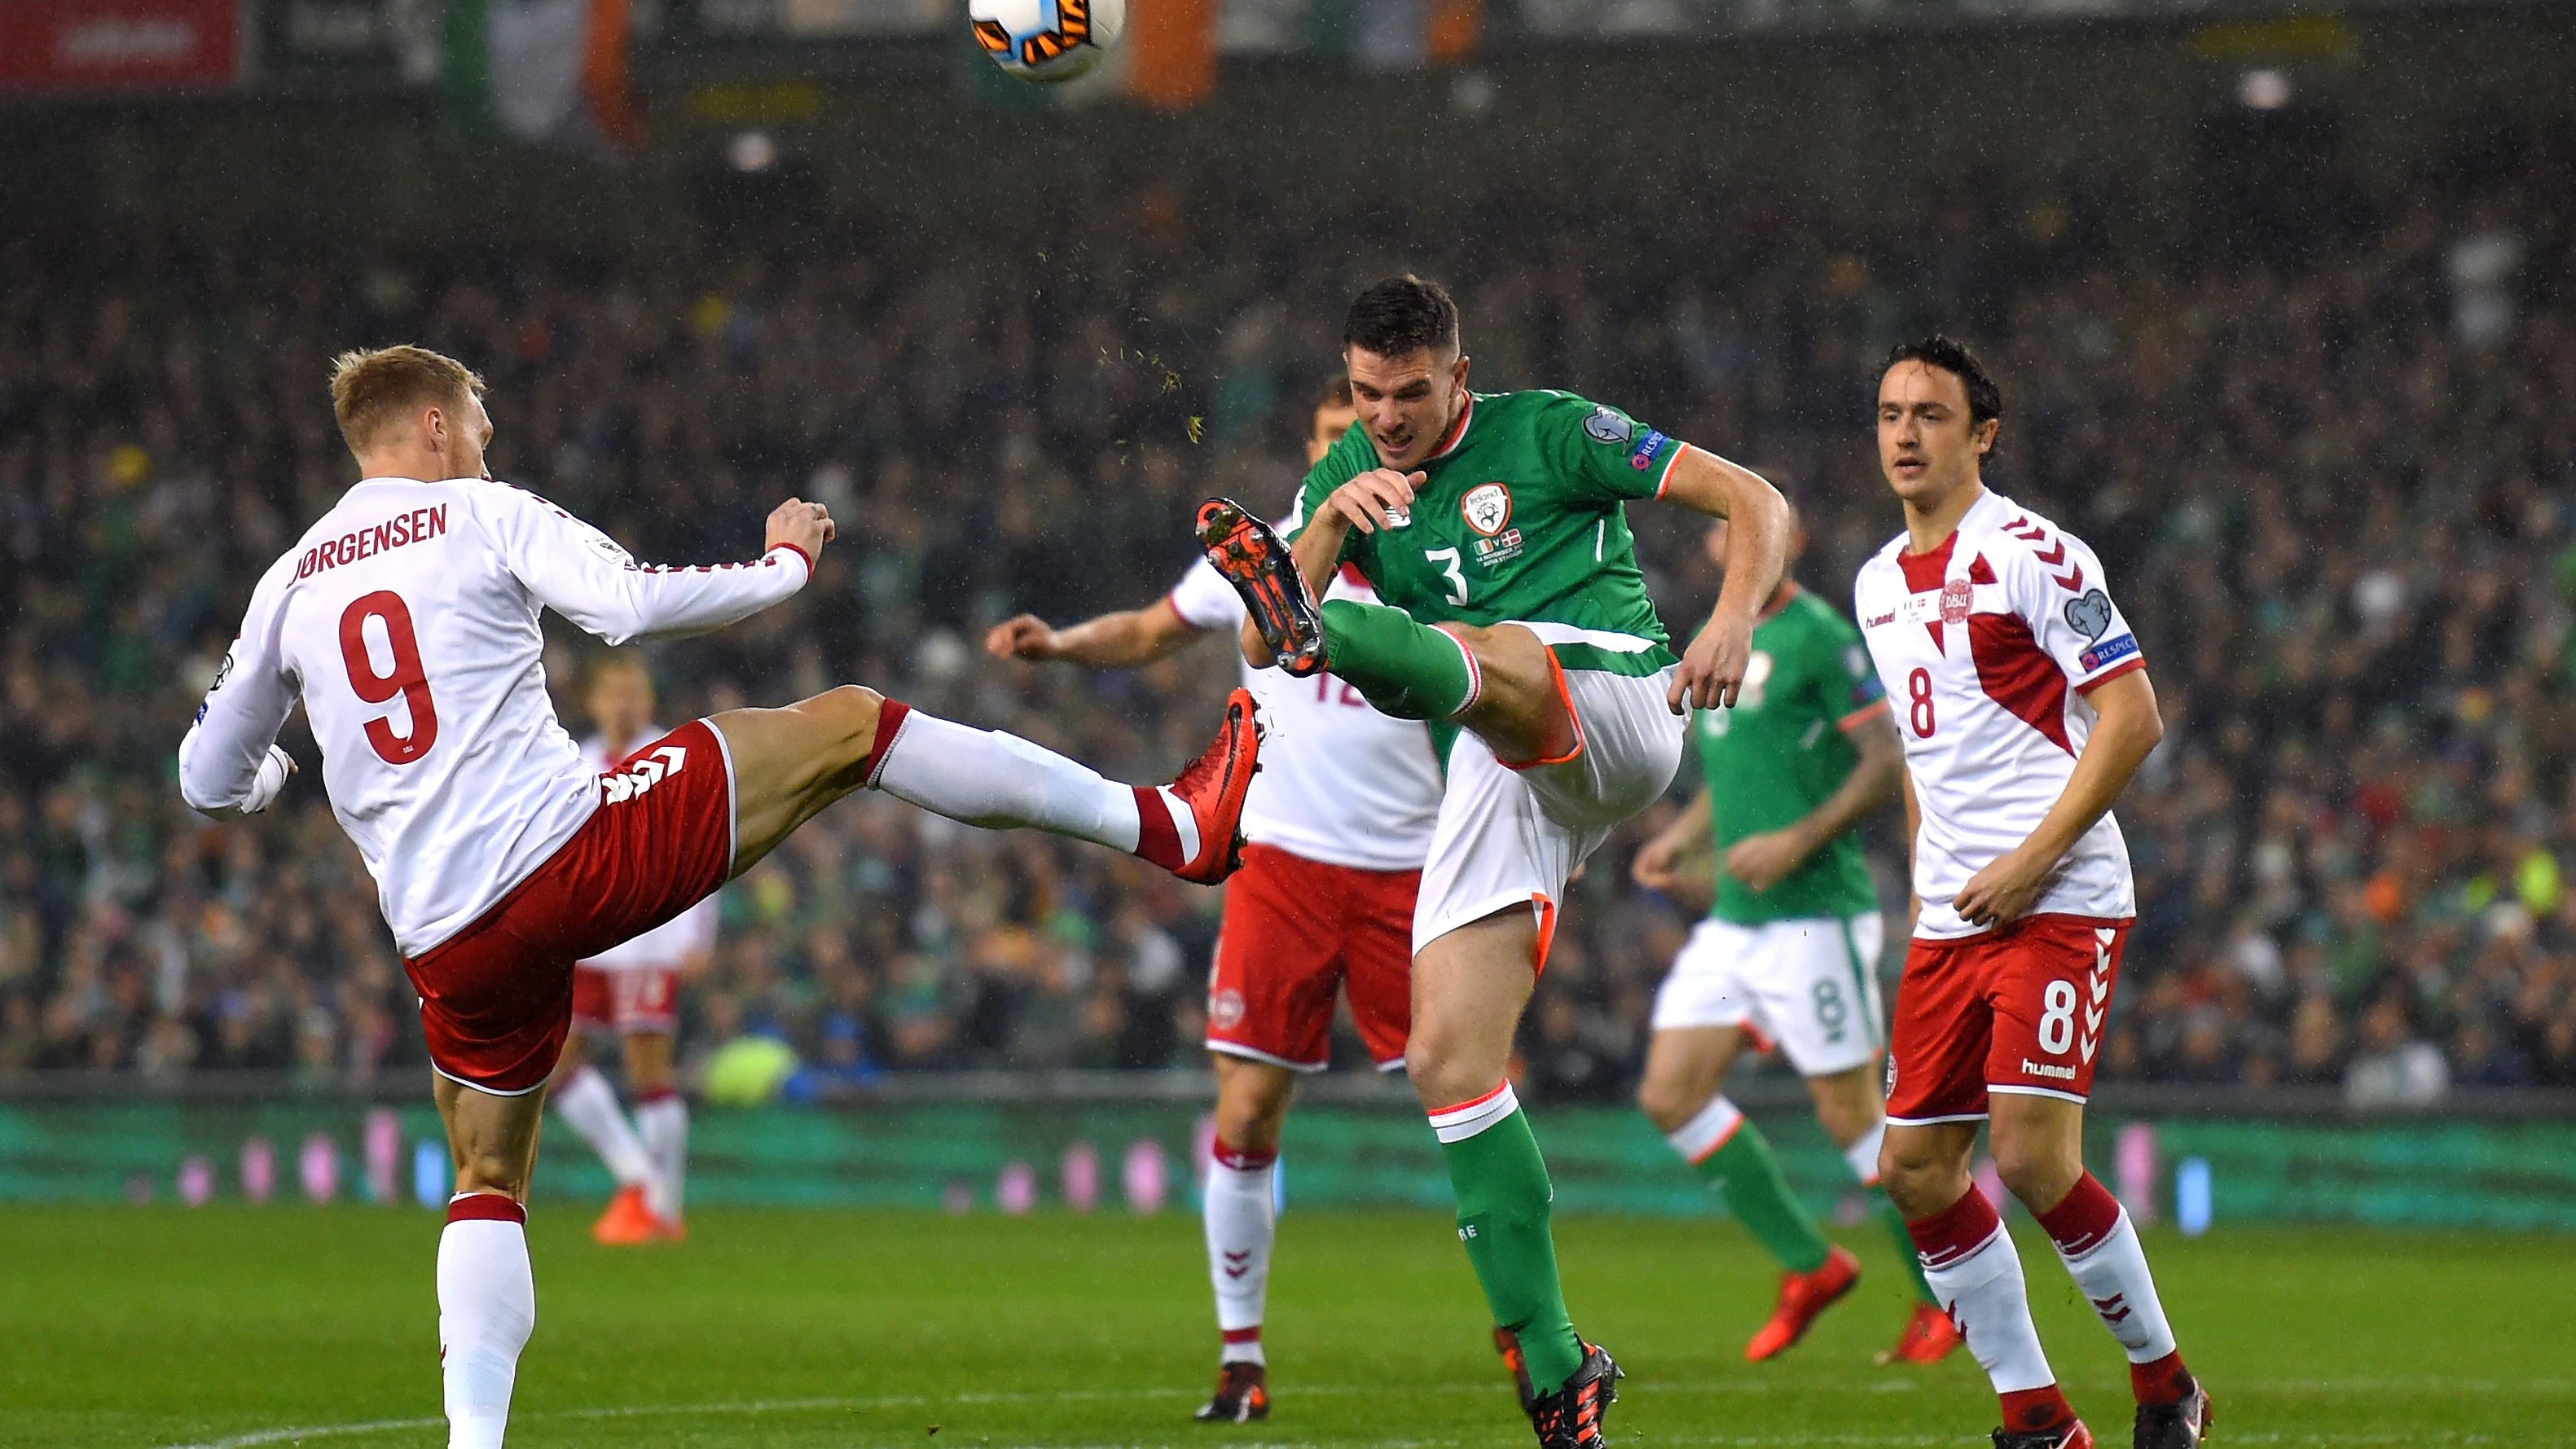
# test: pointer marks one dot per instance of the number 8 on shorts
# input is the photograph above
(2018, 1010)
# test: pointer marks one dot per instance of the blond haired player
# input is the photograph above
(2023, 704)
(632, 991)
(1339, 821)
(405, 621)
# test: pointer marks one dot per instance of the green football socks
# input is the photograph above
(1894, 1222)
(1732, 1155)
(1407, 670)
(1503, 1195)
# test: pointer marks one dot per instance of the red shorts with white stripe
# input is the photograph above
(626, 999)
(497, 997)
(2016, 1010)
(1295, 929)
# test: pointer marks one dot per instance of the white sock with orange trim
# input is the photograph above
(487, 1306)
(1241, 1223)
(589, 1105)
(1003, 782)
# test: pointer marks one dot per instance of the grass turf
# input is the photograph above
(143, 1327)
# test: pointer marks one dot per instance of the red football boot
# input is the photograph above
(1802, 1297)
(628, 1221)
(1214, 786)
(1929, 1337)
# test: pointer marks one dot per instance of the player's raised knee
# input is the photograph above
(1663, 1103)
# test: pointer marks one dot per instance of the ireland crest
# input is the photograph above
(1487, 507)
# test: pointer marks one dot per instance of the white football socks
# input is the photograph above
(1862, 1155)
(1001, 782)
(487, 1305)
(590, 1105)
(663, 1122)
(2116, 1281)
(1982, 1291)
(1241, 1224)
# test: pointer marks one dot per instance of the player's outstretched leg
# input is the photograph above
(1679, 1094)
(487, 1296)
(2037, 1150)
(790, 763)
(1469, 986)
(1251, 1105)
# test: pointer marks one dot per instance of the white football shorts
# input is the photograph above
(1512, 836)
(1810, 986)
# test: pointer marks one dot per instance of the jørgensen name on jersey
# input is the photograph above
(1340, 783)
(406, 620)
(1522, 518)
(1987, 647)
(1781, 751)
(668, 946)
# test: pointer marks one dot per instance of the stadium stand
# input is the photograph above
(2349, 549)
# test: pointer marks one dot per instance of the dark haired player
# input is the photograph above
(2024, 708)
(1494, 527)
(1338, 823)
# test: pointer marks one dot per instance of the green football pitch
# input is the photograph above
(145, 1327)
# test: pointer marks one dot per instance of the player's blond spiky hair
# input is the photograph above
(371, 387)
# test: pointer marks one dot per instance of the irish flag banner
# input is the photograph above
(547, 71)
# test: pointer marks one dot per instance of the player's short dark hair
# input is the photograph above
(1337, 393)
(1985, 399)
(1400, 315)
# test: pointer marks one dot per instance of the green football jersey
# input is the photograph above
(1781, 751)
(1521, 518)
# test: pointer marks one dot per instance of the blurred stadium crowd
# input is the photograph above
(2327, 459)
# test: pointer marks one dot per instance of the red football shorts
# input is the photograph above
(497, 997)
(2015, 1010)
(625, 999)
(1296, 928)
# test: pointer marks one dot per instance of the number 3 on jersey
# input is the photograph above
(1447, 558)
(1918, 689)
(407, 678)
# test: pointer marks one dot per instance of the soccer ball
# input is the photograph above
(1047, 40)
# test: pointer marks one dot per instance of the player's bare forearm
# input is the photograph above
(1757, 553)
(1112, 641)
(1871, 783)
(1659, 860)
(2125, 732)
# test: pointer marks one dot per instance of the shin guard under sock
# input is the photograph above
(1733, 1156)
(1407, 670)
(1503, 1196)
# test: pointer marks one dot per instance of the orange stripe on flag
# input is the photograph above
(1171, 52)
(1452, 29)
(603, 74)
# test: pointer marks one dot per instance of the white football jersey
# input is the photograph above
(406, 621)
(668, 946)
(1340, 783)
(1987, 647)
